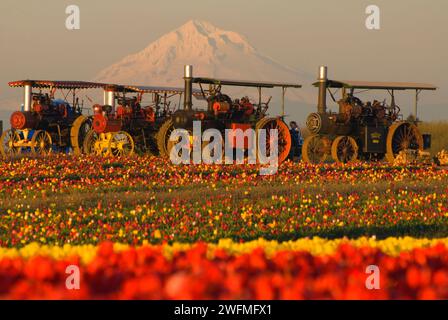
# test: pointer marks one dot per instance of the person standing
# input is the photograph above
(296, 141)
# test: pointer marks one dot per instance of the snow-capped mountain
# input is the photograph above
(212, 52)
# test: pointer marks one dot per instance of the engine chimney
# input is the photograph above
(322, 100)
(104, 97)
(27, 96)
(109, 97)
(188, 77)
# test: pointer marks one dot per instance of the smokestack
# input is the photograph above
(109, 97)
(322, 100)
(27, 96)
(188, 76)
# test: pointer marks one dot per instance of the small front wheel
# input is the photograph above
(121, 144)
(8, 143)
(315, 149)
(344, 149)
(41, 143)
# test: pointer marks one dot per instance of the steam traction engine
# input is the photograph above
(361, 130)
(47, 124)
(224, 112)
(122, 125)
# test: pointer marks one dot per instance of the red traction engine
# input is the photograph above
(121, 129)
(227, 115)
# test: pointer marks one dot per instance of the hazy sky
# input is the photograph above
(410, 46)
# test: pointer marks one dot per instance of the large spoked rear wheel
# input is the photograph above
(402, 136)
(172, 143)
(121, 144)
(163, 137)
(78, 133)
(315, 149)
(283, 137)
(344, 149)
(8, 142)
(41, 143)
(91, 143)
(208, 157)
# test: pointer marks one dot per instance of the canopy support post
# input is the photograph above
(74, 99)
(283, 101)
(180, 101)
(417, 92)
(392, 95)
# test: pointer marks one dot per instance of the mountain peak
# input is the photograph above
(201, 26)
(212, 51)
(199, 31)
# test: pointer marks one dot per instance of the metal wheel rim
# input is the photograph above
(121, 144)
(42, 143)
(402, 136)
(8, 139)
(284, 137)
(345, 149)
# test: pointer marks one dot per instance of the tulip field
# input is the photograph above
(143, 228)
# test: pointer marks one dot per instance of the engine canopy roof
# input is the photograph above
(375, 85)
(58, 84)
(245, 83)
